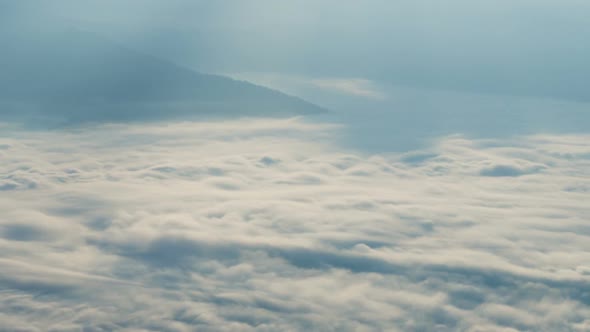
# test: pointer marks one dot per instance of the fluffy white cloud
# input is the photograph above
(352, 86)
(266, 225)
(356, 87)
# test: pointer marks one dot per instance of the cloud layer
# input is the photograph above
(266, 225)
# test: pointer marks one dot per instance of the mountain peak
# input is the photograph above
(77, 76)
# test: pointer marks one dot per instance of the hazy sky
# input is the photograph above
(509, 47)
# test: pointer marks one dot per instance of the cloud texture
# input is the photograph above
(264, 224)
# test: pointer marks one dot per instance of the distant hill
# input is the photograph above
(69, 75)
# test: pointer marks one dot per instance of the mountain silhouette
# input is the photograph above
(64, 74)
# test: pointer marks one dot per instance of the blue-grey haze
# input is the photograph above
(525, 47)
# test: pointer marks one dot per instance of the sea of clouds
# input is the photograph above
(269, 225)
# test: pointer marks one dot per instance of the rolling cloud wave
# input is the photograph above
(267, 225)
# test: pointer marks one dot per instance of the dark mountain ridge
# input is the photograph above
(77, 76)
